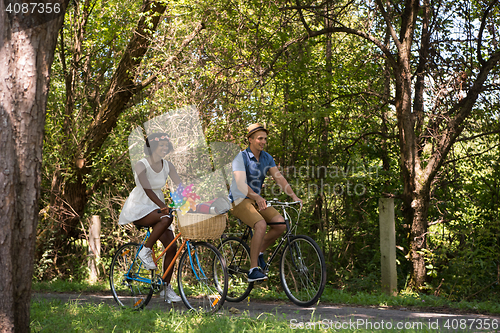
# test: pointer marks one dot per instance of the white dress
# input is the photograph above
(138, 204)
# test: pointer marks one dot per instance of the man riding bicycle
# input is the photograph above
(250, 168)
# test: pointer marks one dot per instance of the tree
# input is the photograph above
(257, 65)
(103, 76)
(27, 42)
(420, 54)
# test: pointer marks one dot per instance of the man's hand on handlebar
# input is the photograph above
(297, 199)
(261, 203)
(277, 202)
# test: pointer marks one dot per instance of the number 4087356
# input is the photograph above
(33, 7)
(472, 324)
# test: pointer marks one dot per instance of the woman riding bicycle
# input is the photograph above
(249, 171)
(145, 206)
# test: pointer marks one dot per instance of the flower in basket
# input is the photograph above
(180, 189)
(187, 190)
(184, 198)
(177, 200)
(185, 208)
(192, 204)
(193, 196)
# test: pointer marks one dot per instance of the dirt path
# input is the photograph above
(327, 316)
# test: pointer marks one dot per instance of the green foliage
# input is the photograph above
(333, 136)
(464, 245)
(90, 45)
(66, 286)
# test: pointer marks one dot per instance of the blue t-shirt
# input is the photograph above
(255, 171)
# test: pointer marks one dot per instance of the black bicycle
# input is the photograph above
(302, 264)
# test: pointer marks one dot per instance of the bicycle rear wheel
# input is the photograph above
(202, 278)
(237, 256)
(303, 270)
(129, 280)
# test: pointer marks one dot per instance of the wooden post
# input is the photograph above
(94, 247)
(388, 246)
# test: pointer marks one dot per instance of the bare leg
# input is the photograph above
(257, 240)
(159, 224)
(166, 238)
(275, 231)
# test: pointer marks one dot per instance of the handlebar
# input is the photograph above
(276, 202)
(287, 204)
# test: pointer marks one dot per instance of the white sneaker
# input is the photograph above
(147, 259)
(169, 294)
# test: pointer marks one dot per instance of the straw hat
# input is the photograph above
(255, 128)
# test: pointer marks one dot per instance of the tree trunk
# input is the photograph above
(27, 43)
(94, 251)
(416, 190)
(420, 207)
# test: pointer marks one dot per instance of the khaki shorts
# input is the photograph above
(248, 213)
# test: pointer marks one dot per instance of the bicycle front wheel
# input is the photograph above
(237, 256)
(202, 278)
(303, 270)
(129, 280)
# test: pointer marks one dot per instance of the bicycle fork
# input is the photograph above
(200, 269)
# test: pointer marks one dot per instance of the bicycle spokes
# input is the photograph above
(202, 278)
(130, 282)
(237, 256)
(303, 271)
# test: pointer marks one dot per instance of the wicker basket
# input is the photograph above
(198, 226)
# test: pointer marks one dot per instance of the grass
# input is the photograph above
(273, 292)
(56, 316)
(63, 286)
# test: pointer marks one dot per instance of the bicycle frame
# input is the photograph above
(186, 243)
(177, 254)
(290, 230)
(197, 263)
(156, 259)
(302, 268)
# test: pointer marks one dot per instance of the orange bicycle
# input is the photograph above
(202, 277)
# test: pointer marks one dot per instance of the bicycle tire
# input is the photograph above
(236, 253)
(302, 270)
(202, 283)
(124, 275)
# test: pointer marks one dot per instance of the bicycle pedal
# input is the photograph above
(260, 281)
